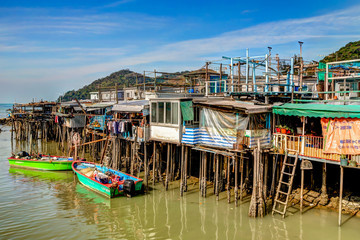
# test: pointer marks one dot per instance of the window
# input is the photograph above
(160, 112)
(165, 112)
(168, 112)
(174, 113)
(153, 112)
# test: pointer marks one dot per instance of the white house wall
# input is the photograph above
(167, 134)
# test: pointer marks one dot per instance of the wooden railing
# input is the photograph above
(309, 146)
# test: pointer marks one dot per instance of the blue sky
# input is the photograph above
(49, 47)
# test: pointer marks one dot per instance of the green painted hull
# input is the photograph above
(98, 187)
(41, 165)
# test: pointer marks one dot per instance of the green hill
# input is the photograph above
(122, 77)
(348, 52)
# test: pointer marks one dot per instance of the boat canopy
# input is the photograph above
(318, 110)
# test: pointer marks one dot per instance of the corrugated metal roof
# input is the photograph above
(247, 107)
(131, 106)
(97, 106)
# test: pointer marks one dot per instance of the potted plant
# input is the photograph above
(277, 128)
(352, 163)
(288, 130)
(343, 160)
(283, 129)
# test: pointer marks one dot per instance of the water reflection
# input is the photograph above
(37, 175)
(45, 205)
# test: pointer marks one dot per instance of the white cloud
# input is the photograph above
(343, 25)
(339, 24)
(118, 3)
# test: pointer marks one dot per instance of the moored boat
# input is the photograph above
(106, 181)
(41, 162)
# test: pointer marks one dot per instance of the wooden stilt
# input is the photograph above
(76, 152)
(241, 176)
(266, 167)
(323, 186)
(146, 167)
(217, 177)
(201, 172)
(341, 193)
(302, 191)
(154, 163)
(167, 166)
(236, 172)
(182, 171)
(132, 158)
(186, 168)
(205, 171)
(228, 180)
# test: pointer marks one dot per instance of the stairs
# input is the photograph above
(285, 185)
(107, 153)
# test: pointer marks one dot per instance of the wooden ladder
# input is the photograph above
(286, 181)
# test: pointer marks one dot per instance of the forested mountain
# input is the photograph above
(348, 52)
(122, 77)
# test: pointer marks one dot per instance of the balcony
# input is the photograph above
(307, 146)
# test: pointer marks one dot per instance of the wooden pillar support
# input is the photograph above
(302, 191)
(201, 173)
(341, 193)
(182, 172)
(187, 150)
(204, 174)
(228, 179)
(217, 176)
(241, 176)
(146, 167)
(154, 163)
(167, 167)
(236, 171)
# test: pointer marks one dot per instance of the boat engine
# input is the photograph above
(22, 154)
(129, 188)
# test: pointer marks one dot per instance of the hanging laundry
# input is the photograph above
(140, 131)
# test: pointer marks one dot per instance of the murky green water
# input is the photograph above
(53, 205)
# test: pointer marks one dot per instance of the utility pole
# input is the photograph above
(268, 69)
(301, 66)
(144, 83)
(100, 98)
(278, 67)
(137, 88)
(207, 84)
(155, 80)
(116, 93)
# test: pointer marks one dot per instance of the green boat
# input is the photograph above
(41, 162)
(106, 181)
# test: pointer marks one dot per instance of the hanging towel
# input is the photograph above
(140, 132)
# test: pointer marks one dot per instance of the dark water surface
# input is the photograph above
(53, 205)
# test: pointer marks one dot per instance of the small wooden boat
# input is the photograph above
(41, 162)
(107, 181)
